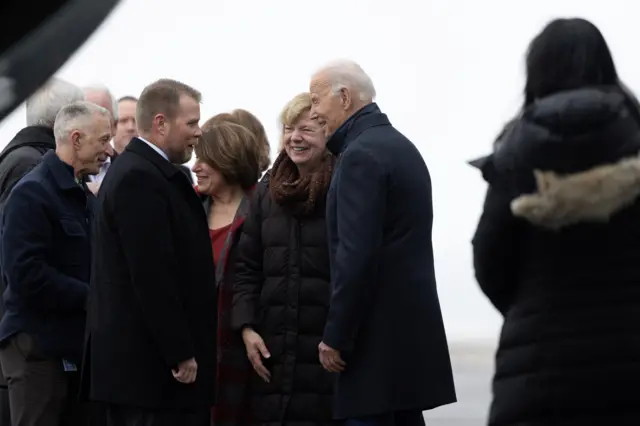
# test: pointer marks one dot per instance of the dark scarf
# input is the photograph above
(302, 195)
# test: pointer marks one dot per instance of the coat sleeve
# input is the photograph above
(249, 272)
(141, 214)
(361, 196)
(496, 249)
(27, 243)
(19, 163)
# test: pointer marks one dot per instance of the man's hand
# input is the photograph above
(186, 371)
(256, 349)
(331, 359)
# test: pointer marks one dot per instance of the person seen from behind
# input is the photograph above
(557, 246)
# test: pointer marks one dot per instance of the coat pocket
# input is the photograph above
(27, 347)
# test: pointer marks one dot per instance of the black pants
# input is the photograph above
(121, 415)
(41, 393)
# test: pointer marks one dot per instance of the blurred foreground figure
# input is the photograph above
(40, 40)
(46, 257)
(152, 311)
(557, 247)
(384, 332)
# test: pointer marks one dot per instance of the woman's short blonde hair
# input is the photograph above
(251, 122)
(292, 111)
(232, 150)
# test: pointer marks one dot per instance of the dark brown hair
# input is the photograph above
(232, 150)
(162, 97)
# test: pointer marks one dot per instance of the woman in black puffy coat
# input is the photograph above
(282, 288)
(557, 248)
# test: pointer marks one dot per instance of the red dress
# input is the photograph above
(231, 408)
(218, 236)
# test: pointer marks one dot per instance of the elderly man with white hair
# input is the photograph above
(102, 96)
(28, 146)
(384, 333)
(45, 253)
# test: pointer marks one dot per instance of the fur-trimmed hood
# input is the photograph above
(593, 195)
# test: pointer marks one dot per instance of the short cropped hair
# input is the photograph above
(251, 122)
(232, 150)
(128, 98)
(162, 97)
(76, 116)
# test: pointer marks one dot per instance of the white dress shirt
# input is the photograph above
(155, 148)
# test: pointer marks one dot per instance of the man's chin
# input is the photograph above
(186, 157)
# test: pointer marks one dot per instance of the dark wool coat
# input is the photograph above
(385, 315)
(152, 303)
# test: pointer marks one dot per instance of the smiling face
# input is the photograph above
(304, 142)
(91, 144)
(330, 108)
(209, 181)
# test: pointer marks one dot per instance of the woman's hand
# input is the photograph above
(256, 349)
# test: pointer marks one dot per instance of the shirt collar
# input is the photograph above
(155, 148)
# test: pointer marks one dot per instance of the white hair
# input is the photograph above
(76, 116)
(101, 88)
(44, 105)
(344, 73)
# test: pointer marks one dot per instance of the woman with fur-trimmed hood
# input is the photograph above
(557, 248)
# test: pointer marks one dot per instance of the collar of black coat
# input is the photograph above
(34, 136)
(62, 172)
(140, 148)
(363, 119)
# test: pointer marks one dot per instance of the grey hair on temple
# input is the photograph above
(344, 73)
(44, 105)
(76, 116)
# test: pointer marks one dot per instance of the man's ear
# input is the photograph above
(75, 139)
(160, 123)
(345, 98)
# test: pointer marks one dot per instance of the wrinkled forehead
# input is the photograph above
(320, 84)
(102, 124)
(95, 125)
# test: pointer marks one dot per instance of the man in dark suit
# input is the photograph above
(152, 306)
(384, 333)
(46, 261)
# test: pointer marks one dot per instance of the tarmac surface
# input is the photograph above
(473, 370)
